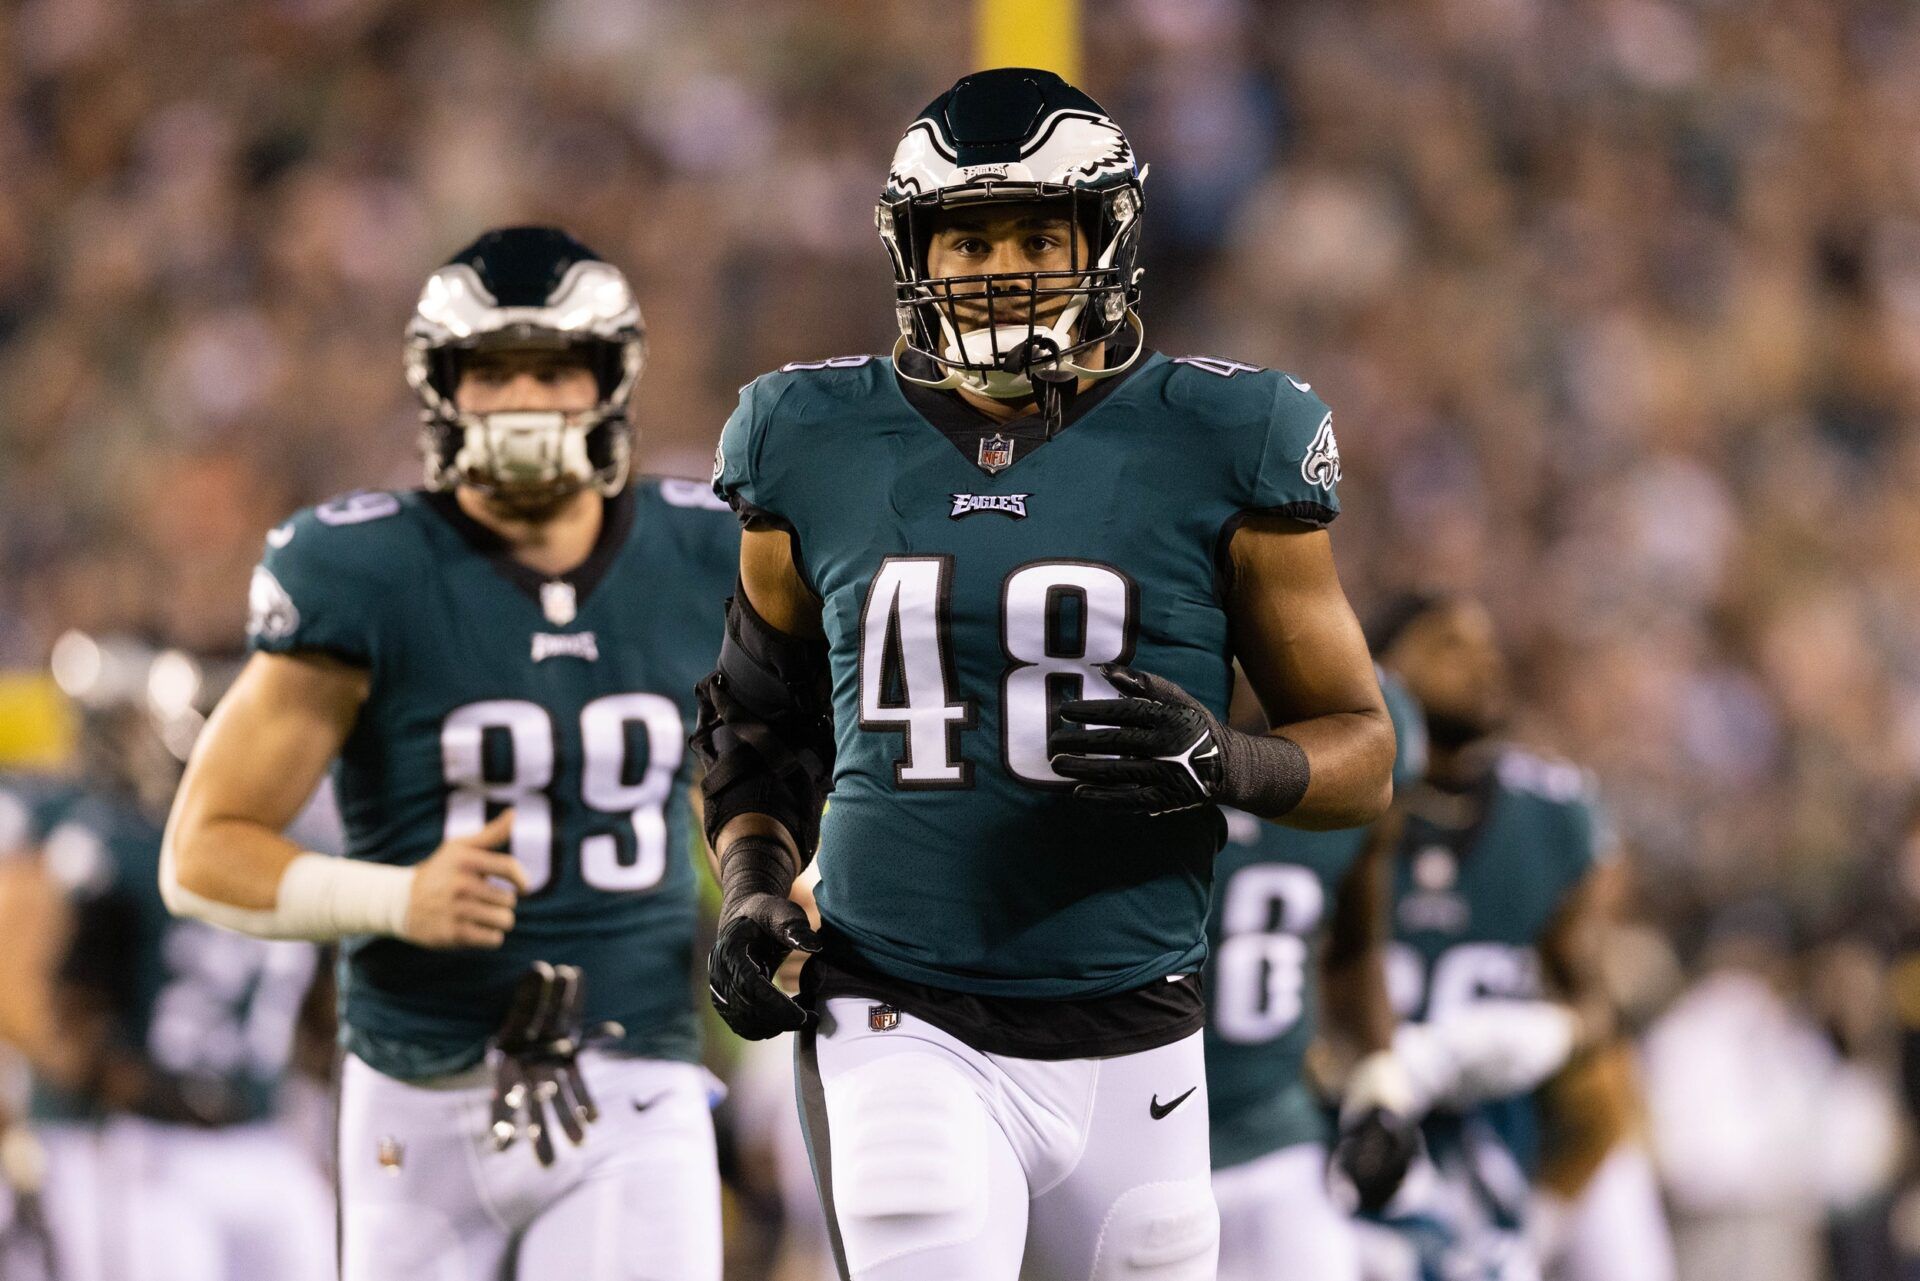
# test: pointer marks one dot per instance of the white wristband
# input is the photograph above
(320, 898)
(326, 897)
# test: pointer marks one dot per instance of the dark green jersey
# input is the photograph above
(568, 699)
(210, 1010)
(1274, 891)
(965, 596)
(1474, 898)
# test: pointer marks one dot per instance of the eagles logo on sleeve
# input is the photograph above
(271, 613)
(1321, 466)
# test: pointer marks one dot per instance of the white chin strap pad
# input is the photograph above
(525, 447)
(984, 346)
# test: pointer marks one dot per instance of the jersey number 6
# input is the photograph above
(1059, 620)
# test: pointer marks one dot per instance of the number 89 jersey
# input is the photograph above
(965, 596)
(567, 699)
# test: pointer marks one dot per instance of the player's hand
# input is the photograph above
(535, 1060)
(1373, 1153)
(753, 942)
(464, 894)
(1153, 750)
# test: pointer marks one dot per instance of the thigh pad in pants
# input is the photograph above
(909, 1140)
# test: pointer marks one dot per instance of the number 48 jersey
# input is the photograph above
(965, 595)
(567, 699)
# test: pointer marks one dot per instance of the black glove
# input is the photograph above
(1166, 744)
(755, 938)
(534, 1057)
(1374, 1152)
(1156, 749)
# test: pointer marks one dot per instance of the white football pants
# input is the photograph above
(1278, 1221)
(939, 1162)
(136, 1200)
(424, 1196)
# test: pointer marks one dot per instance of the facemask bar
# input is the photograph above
(990, 332)
(526, 451)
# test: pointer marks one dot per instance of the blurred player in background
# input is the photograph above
(1296, 948)
(1493, 906)
(503, 662)
(1026, 518)
(158, 1046)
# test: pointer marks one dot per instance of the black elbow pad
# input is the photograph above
(765, 732)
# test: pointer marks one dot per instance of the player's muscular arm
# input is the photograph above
(764, 741)
(258, 761)
(1302, 649)
(777, 593)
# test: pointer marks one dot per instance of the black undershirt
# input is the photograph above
(1164, 1011)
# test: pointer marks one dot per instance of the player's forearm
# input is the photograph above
(1350, 769)
(243, 876)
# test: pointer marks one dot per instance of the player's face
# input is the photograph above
(523, 381)
(1451, 662)
(1009, 239)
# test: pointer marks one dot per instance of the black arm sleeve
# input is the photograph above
(765, 732)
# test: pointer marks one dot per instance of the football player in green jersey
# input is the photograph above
(991, 593)
(157, 1046)
(1295, 949)
(1498, 870)
(503, 663)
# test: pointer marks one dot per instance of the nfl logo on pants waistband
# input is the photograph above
(882, 1018)
(996, 452)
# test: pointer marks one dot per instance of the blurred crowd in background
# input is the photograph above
(1617, 303)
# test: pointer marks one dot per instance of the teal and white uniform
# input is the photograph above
(567, 699)
(997, 951)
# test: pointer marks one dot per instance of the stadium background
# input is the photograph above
(1617, 303)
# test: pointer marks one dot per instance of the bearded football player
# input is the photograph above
(991, 592)
(503, 662)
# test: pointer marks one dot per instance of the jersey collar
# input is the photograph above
(965, 427)
(616, 519)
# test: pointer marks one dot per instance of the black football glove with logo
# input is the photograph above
(759, 925)
(534, 1057)
(1156, 750)
(1373, 1153)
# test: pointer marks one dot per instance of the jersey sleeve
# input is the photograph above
(1298, 471)
(320, 582)
(737, 472)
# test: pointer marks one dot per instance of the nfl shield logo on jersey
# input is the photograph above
(882, 1018)
(996, 453)
(559, 602)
